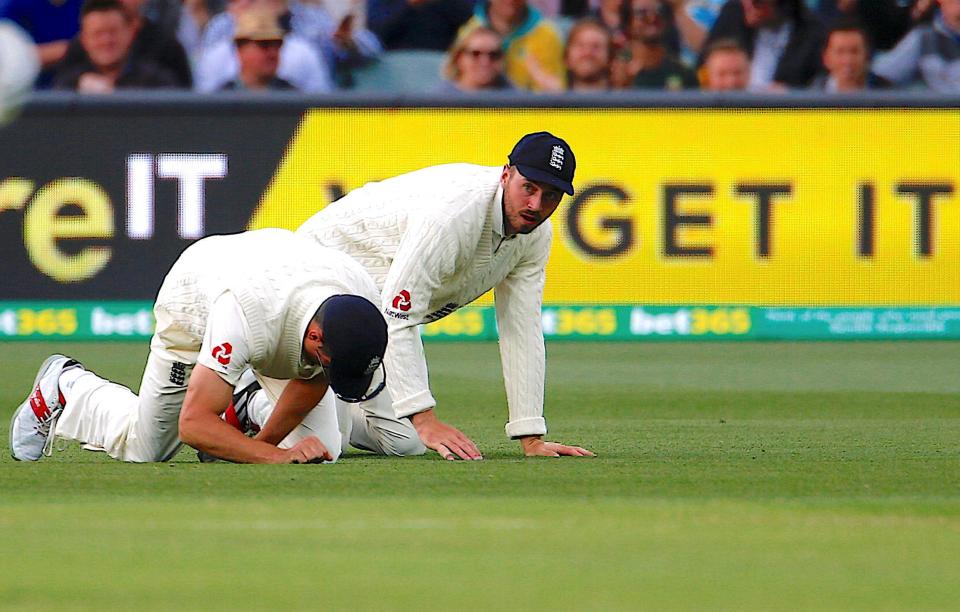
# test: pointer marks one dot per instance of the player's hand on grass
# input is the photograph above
(308, 450)
(445, 439)
(535, 446)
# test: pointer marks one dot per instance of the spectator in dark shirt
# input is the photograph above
(106, 35)
(150, 42)
(884, 21)
(783, 37)
(646, 62)
(476, 63)
(418, 24)
(726, 66)
(258, 38)
(846, 58)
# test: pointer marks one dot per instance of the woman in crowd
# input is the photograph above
(475, 63)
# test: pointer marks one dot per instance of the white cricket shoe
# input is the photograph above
(31, 428)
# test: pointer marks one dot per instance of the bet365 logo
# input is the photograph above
(402, 301)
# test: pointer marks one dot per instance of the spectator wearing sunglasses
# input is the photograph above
(531, 44)
(299, 62)
(475, 63)
(783, 38)
(258, 39)
(646, 62)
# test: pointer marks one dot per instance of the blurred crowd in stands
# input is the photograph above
(456, 46)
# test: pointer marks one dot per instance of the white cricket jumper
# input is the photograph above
(433, 241)
(228, 303)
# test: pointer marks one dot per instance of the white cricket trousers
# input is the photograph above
(143, 427)
(370, 425)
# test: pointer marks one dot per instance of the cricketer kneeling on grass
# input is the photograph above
(301, 317)
(435, 240)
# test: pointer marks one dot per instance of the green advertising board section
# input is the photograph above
(134, 321)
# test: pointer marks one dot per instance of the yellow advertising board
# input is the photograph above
(760, 207)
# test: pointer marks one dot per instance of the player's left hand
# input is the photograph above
(535, 446)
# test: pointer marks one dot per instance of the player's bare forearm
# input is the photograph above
(201, 427)
(447, 440)
(536, 446)
(295, 403)
(214, 437)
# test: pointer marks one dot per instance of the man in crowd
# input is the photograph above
(726, 66)
(587, 57)
(783, 38)
(929, 54)
(846, 57)
(300, 316)
(299, 63)
(650, 64)
(258, 39)
(149, 42)
(107, 31)
(435, 240)
(339, 44)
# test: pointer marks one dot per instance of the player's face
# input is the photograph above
(526, 203)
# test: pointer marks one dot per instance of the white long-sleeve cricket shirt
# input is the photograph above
(433, 241)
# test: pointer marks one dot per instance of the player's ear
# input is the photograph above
(314, 333)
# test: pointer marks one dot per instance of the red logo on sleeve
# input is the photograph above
(222, 352)
(402, 301)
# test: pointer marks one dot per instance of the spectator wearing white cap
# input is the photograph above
(299, 63)
(258, 39)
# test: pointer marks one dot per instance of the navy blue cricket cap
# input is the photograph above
(544, 158)
(355, 338)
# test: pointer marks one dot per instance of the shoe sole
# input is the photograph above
(26, 403)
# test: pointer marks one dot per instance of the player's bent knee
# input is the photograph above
(404, 447)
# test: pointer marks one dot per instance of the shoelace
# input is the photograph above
(49, 429)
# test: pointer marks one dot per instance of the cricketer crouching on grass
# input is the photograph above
(434, 240)
(300, 317)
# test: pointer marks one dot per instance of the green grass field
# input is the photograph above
(729, 476)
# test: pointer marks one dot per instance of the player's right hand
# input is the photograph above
(308, 450)
(447, 440)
